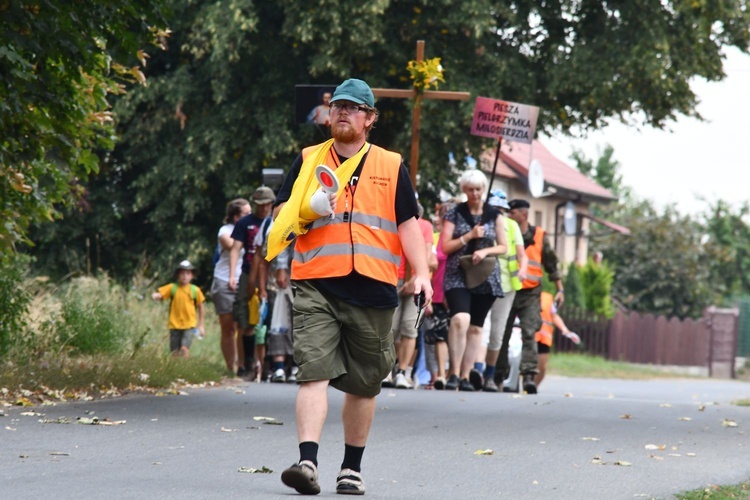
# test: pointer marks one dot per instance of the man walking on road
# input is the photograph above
(345, 272)
(527, 302)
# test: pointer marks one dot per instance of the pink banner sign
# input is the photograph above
(504, 120)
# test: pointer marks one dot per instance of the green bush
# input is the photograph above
(597, 282)
(14, 299)
(87, 328)
(575, 296)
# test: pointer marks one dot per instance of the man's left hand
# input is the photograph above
(559, 298)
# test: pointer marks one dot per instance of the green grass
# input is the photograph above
(717, 492)
(584, 365)
(91, 336)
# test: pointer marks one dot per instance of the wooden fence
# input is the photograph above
(645, 338)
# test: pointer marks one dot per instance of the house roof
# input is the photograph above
(514, 163)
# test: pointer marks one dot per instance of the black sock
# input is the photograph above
(248, 344)
(353, 457)
(308, 450)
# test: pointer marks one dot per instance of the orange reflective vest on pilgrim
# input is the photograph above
(363, 235)
(535, 271)
(544, 335)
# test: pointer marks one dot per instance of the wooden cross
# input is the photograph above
(416, 113)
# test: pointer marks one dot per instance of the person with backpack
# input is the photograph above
(185, 309)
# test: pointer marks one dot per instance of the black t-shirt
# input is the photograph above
(355, 288)
(245, 231)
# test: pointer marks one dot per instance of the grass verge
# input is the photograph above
(90, 337)
(717, 492)
(584, 365)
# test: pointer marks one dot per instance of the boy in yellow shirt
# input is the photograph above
(186, 303)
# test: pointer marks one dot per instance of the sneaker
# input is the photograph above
(529, 386)
(349, 482)
(490, 386)
(465, 385)
(387, 381)
(452, 383)
(439, 384)
(476, 379)
(303, 477)
(292, 378)
(279, 376)
(402, 382)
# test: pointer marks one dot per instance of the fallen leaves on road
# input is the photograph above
(484, 452)
(253, 470)
(685, 419)
(626, 416)
(224, 429)
(58, 420)
(623, 463)
(31, 414)
(656, 446)
(97, 421)
(59, 453)
(268, 420)
(590, 439)
(665, 405)
(729, 423)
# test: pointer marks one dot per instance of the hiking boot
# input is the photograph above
(402, 382)
(303, 477)
(349, 482)
(476, 379)
(452, 383)
(465, 386)
(490, 386)
(279, 376)
(529, 386)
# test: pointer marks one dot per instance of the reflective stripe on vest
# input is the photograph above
(512, 257)
(356, 239)
(544, 335)
(534, 254)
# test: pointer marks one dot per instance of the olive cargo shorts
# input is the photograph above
(349, 345)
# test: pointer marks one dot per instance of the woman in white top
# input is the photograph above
(223, 297)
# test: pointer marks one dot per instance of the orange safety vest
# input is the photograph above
(535, 271)
(363, 235)
(548, 327)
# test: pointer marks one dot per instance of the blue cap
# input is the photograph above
(354, 90)
(498, 198)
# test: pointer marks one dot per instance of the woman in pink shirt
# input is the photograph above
(436, 332)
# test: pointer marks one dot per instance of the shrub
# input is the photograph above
(14, 299)
(597, 282)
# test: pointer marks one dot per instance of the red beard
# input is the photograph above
(343, 132)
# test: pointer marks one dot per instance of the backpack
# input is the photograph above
(217, 254)
(193, 295)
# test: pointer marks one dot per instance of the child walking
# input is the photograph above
(185, 309)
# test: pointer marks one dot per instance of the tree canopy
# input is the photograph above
(219, 104)
(60, 61)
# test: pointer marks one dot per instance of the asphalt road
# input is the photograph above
(564, 443)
